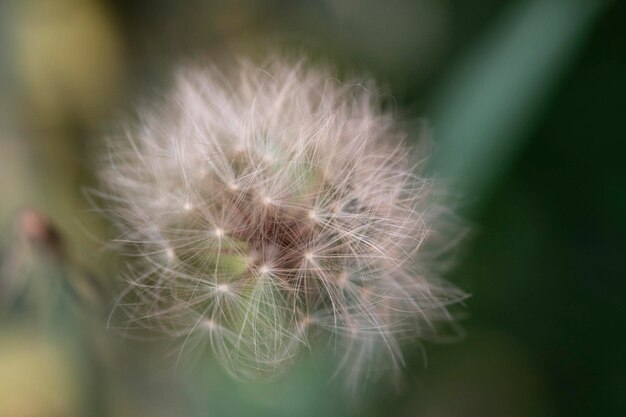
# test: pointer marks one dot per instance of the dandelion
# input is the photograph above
(271, 209)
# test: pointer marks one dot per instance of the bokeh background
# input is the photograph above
(525, 103)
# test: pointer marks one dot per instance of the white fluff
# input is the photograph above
(273, 208)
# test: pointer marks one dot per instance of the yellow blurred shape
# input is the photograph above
(36, 379)
(68, 56)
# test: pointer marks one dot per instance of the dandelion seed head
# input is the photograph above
(300, 201)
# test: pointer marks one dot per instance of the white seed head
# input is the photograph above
(323, 220)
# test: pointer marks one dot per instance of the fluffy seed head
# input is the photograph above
(273, 208)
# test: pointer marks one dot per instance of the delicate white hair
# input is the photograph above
(270, 208)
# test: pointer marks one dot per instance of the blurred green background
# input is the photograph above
(525, 103)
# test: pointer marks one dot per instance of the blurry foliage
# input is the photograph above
(494, 97)
(37, 376)
(525, 98)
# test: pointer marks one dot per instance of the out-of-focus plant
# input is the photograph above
(37, 376)
(490, 102)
